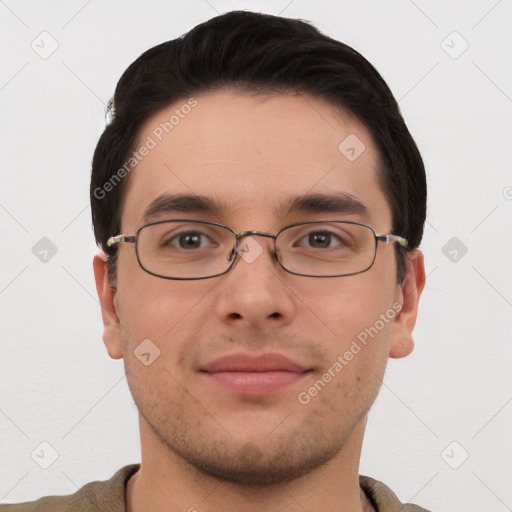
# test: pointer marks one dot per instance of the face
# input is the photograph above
(261, 375)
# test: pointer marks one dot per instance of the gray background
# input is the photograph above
(449, 400)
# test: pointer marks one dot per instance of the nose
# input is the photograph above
(254, 293)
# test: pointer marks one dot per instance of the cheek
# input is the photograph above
(346, 306)
(163, 311)
(349, 382)
(356, 319)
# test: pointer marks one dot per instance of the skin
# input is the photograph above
(204, 447)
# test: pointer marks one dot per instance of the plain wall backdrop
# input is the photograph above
(440, 431)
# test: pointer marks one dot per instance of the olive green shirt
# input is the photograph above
(109, 496)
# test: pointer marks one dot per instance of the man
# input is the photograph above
(259, 203)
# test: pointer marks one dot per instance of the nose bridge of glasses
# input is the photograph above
(245, 234)
(239, 248)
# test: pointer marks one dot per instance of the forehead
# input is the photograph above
(253, 155)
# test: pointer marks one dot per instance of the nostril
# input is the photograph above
(275, 315)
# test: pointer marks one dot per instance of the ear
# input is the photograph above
(408, 295)
(106, 294)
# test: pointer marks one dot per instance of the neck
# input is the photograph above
(166, 482)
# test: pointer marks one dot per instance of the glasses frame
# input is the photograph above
(133, 239)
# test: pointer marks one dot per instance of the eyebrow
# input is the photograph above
(186, 203)
(340, 203)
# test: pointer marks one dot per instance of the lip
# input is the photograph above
(271, 362)
(256, 376)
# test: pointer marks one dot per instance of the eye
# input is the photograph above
(189, 240)
(321, 240)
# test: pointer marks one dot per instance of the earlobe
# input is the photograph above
(408, 295)
(106, 295)
(401, 347)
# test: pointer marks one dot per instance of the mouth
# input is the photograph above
(255, 376)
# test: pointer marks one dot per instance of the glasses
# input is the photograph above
(190, 249)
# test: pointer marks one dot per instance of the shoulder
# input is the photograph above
(383, 498)
(108, 495)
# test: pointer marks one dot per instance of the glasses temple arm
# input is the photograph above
(393, 238)
(119, 239)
